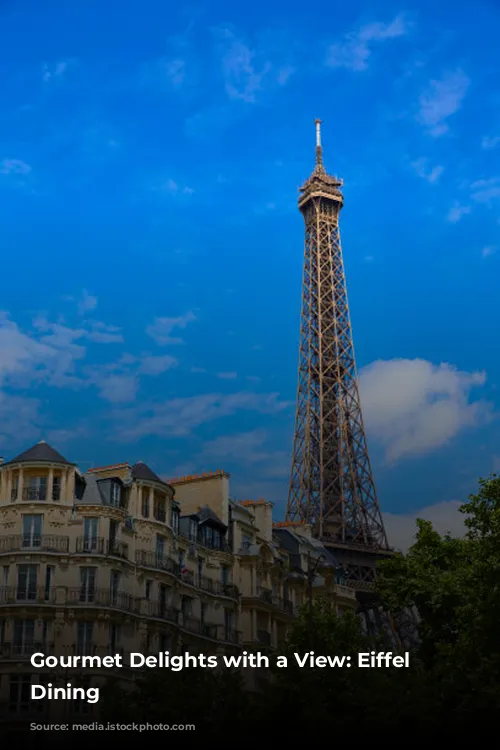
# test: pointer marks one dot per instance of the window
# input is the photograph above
(19, 693)
(14, 490)
(246, 542)
(193, 530)
(6, 575)
(165, 642)
(114, 638)
(45, 633)
(90, 528)
(113, 529)
(186, 606)
(56, 489)
(164, 599)
(203, 609)
(114, 585)
(115, 494)
(209, 536)
(200, 567)
(32, 530)
(26, 582)
(36, 489)
(87, 584)
(24, 636)
(84, 638)
(229, 624)
(175, 520)
(147, 593)
(224, 575)
(159, 509)
(49, 572)
(160, 548)
(145, 503)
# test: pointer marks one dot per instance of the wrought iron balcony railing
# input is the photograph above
(90, 596)
(217, 587)
(101, 546)
(35, 542)
(161, 610)
(156, 560)
(26, 594)
(25, 648)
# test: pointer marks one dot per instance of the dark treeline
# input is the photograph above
(452, 688)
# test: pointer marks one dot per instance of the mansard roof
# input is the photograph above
(140, 470)
(41, 452)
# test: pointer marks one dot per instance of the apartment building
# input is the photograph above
(117, 559)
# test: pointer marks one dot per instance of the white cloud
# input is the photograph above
(445, 517)
(51, 72)
(14, 166)
(442, 99)
(20, 419)
(161, 328)
(87, 303)
(456, 212)
(181, 416)
(355, 49)
(172, 187)
(117, 388)
(485, 191)
(412, 406)
(151, 365)
(246, 71)
(431, 174)
(487, 251)
(490, 142)
(227, 375)
(175, 71)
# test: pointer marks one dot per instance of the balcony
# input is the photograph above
(161, 610)
(156, 560)
(187, 576)
(216, 545)
(285, 605)
(265, 595)
(208, 630)
(100, 546)
(26, 595)
(25, 649)
(87, 596)
(217, 587)
(34, 543)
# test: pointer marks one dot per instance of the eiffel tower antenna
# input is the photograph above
(331, 483)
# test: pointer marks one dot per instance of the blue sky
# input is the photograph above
(152, 248)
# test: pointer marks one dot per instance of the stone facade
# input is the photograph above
(117, 560)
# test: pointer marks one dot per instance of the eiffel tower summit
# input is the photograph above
(331, 483)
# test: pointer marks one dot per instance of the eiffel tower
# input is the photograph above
(331, 484)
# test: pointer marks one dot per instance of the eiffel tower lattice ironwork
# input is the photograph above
(331, 484)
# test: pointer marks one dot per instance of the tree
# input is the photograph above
(455, 586)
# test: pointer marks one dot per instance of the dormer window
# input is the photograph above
(175, 520)
(115, 494)
(193, 530)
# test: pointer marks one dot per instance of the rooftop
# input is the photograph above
(198, 477)
(41, 452)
